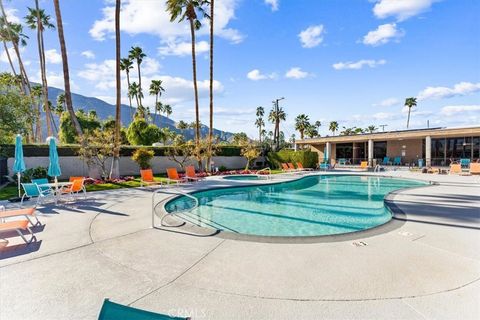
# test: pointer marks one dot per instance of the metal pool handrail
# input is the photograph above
(172, 192)
(265, 169)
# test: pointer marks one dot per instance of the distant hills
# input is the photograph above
(105, 110)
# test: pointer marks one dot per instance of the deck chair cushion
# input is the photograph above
(114, 311)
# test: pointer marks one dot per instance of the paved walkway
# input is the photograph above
(425, 268)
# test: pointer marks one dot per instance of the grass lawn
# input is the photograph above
(11, 191)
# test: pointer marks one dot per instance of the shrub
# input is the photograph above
(143, 157)
(309, 159)
(141, 133)
(34, 173)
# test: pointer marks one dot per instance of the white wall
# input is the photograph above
(75, 166)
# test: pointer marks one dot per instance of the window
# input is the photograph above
(344, 150)
(379, 149)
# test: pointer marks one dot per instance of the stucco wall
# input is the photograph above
(74, 166)
(413, 149)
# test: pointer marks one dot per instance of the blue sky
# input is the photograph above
(351, 61)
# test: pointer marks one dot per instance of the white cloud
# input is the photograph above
(54, 79)
(183, 48)
(296, 73)
(273, 4)
(12, 15)
(400, 9)
(358, 64)
(312, 36)
(4, 57)
(256, 75)
(150, 17)
(459, 89)
(387, 102)
(149, 66)
(52, 56)
(462, 109)
(88, 54)
(383, 34)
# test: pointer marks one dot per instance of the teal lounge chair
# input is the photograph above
(41, 181)
(114, 311)
(464, 163)
(397, 161)
(31, 190)
(386, 161)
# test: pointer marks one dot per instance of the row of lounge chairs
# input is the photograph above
(147, 177)
(289, 167)
(41, 189)
(457, 168)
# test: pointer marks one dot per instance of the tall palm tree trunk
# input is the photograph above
(210, 131)
(195, 88)
(115, 170)
(408, 118)
(129, 97)
(66, 75)
(155, 116)
(41, 56)
(139, 83)
(9, 58)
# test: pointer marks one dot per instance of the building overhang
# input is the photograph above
(396, 135)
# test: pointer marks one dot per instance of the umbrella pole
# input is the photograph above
(18, 179)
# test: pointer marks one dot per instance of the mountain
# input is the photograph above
(105, 110)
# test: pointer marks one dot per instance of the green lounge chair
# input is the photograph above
(397, 161)
(114, 311)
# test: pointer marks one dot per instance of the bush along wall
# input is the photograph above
(41, 150)
(308, 159)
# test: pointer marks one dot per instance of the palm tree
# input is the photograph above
(301, 124)
(210, 131)
(134, 92)
(259, 122)
(115, 169)
(333, 127)
(318, 124)
(156, 90)
(36, 94)
(371, 129)
(125, 65)
(66, 74)
(410, 103)
(39, 20)
(167, 109)
(182, 126)
(137, 54)
(275, 116)
(5, 38)
(14, 32)
(311, 131)
(187, 9)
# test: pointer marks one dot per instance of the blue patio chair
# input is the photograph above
(114, 311)
(342, 161)
(324, 166)
(397, 161)
(464, 163)
(386, 161)
(31, 190)
(41, 181)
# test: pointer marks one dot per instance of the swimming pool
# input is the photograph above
(243, 177)
(311, 206)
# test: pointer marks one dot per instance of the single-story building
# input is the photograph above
(435, 146)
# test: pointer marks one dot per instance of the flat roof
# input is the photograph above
(396, 135)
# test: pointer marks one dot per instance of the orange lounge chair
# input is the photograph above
(291, 166)
(300, 167)
(173, 176)
(146, 178)
(77, 186)
(475, 168)
(455, 169)
(18, 226)
(26, 212)
(190, 174)
(364, 165)
(285, 167)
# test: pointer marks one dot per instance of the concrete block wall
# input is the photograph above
(75, 166)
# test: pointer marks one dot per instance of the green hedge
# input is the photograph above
(309, 159)
(41, 150)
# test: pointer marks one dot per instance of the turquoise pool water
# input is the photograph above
(242, 177)
(311, 206)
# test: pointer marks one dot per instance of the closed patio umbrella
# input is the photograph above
(19, 164)
(54, 166)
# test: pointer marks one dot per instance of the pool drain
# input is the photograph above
(359, 244)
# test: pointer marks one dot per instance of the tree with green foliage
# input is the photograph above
(96, 149)
(302, 122)
(182, 126)
(240, 138)
(68, 134)
(15, 109)
(143, 134)
(137, 54)
(143, 157)
(125, 65)
(156, 90)
(371, 129)
(311, 131)
(333, 127)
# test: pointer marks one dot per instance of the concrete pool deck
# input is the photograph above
(427, 268)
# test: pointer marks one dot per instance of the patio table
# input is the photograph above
(56, 188)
